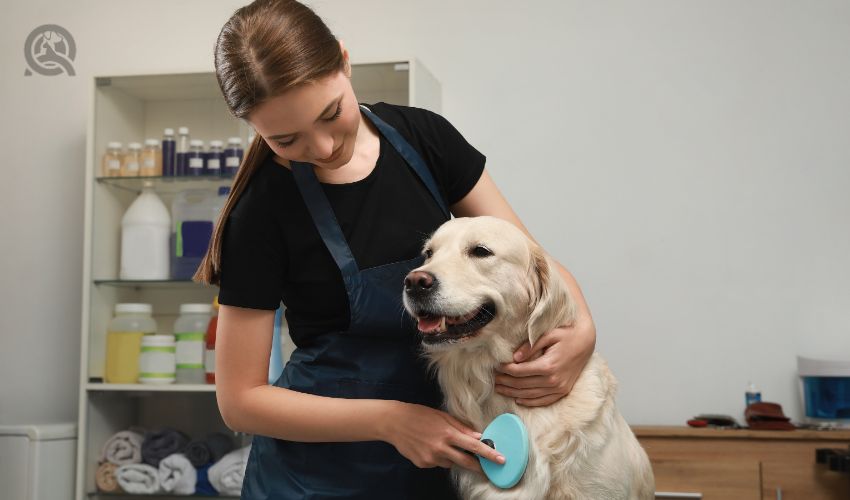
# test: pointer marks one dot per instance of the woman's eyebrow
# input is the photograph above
(323, 113)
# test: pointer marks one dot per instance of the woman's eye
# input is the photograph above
(480, 251)
(336, 114)
(285, 144)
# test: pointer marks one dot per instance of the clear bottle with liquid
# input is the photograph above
(112, 160)
(151, 159)
(131, 163)
(753, 395)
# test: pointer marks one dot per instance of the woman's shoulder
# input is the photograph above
(263, 191)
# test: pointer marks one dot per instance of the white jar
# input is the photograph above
(190, 330)
(124, 340)
(158, 361)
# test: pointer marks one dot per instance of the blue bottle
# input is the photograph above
(180, 168)
(232, 156)
(215, 159)
(195, 158)
(168, 153)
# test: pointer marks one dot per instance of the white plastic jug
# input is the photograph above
(145, 229)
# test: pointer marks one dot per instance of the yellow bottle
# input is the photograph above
(124, 342)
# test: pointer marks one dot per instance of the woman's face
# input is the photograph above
(315, 123)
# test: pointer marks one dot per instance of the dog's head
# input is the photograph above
(483, 277)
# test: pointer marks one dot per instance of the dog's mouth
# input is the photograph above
(436, 329)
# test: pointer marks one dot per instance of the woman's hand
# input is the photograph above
(546, 373)
(433, 438)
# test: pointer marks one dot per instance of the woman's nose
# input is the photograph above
(322, 146)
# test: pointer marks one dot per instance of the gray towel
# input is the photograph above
(211, 449)
(159, 444)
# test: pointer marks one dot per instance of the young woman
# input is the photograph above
(328, 214)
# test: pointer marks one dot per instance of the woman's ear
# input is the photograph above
(347, 69)
(551, 305)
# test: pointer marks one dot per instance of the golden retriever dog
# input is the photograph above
(484, 289)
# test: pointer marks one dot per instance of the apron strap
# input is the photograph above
(320, 208)
(410, 155)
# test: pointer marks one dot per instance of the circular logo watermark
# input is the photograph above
(50, 50)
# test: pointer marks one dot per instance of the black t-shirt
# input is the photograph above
(272, 252)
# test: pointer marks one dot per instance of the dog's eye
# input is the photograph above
(480, 251)
(428, 253)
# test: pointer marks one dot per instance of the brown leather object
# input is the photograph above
(767, 416)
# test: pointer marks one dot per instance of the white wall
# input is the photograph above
(688, 161)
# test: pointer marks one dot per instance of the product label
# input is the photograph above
(214, 164)
(190, 349)
(133, 166)
(231, 161)
(149, 163)
(114, 164)
(196, 163)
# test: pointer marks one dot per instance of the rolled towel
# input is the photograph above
(177, 475)
(203, 486)
(105, 478)
(159, 444)
(211, 449)
(124, 447)
(138, 479)
(227, 474)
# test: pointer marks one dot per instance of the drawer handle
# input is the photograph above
(676, 495)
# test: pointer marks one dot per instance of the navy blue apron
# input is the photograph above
(378, 357)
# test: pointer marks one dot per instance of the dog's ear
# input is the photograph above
(551, 304)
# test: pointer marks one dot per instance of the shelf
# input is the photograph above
(101, 494)
(98, 386)
(151, 283)
(166, 184)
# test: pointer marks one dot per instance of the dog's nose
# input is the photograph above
(418, 281)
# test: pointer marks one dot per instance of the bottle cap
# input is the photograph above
(195, 308)
(196, 143)
(151, 142)
(114, 145)
(235, 140)
(183, 130)
(134, 145)
(134, 308)
(168, 131)
(216, 144)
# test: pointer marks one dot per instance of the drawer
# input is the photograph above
(802, 479)
(713, 479)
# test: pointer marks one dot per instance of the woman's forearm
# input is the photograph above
(295, 416)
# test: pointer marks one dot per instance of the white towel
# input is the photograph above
(138, 478)
(177, 475)
(123, 448)
(227, 474)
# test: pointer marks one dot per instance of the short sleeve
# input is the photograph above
(251, 256)
(456, 164)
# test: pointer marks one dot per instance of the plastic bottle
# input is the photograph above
(124, 342)
(215, 158)
(195, 158)
(145, 232)
(157, 361)
(753, 395)
(151, 159)
(169, 151)
(209, 355)
(131, 163)
(189, 330)
(232, 156)
(112, 160)
(192, 227)
(182, 150)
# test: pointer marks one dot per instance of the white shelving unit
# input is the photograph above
(130, 108)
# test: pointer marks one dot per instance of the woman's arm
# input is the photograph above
(547, 372)
(249, 404)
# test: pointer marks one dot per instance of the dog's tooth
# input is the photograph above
(442, 324)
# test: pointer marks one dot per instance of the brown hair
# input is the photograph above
(263, 50)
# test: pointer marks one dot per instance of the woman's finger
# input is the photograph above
(537, 392)
(477, 447)
(524, 382)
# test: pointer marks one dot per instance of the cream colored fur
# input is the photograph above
(581, 447)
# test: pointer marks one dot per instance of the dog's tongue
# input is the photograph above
(429, 324)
